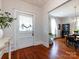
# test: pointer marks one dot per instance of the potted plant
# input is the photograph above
(76, 31)
(50, 34)
(5, 21)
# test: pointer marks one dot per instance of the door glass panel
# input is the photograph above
(25, 23)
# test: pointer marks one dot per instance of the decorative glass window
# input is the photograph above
(25, 22)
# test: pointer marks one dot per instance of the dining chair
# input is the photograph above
(70, 41)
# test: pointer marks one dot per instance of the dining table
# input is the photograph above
(76, 36)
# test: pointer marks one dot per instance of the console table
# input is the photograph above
(4, 44)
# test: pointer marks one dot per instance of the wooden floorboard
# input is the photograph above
(58, 50)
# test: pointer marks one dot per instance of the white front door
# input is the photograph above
(24, 30)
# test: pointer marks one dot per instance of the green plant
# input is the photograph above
(5, 19)
(76, 30)
(50, 34)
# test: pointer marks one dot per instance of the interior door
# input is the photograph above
(24, 30)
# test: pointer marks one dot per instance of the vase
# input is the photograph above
(1, 33)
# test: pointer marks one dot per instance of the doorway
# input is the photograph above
(24, 30)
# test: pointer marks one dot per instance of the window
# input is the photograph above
(25, 22)
(53, 25)
(77, 23)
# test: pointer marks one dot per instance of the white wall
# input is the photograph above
(0, 3)
(49, 6)
(58, 21)
(12, 5)
(71, 21)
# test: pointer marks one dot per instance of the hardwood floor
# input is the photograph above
(59, 50)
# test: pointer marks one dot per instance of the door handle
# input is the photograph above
(32, 33)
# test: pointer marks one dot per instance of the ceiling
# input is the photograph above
(67, 10)
(37, 2)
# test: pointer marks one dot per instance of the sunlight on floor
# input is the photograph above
(54, 50)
